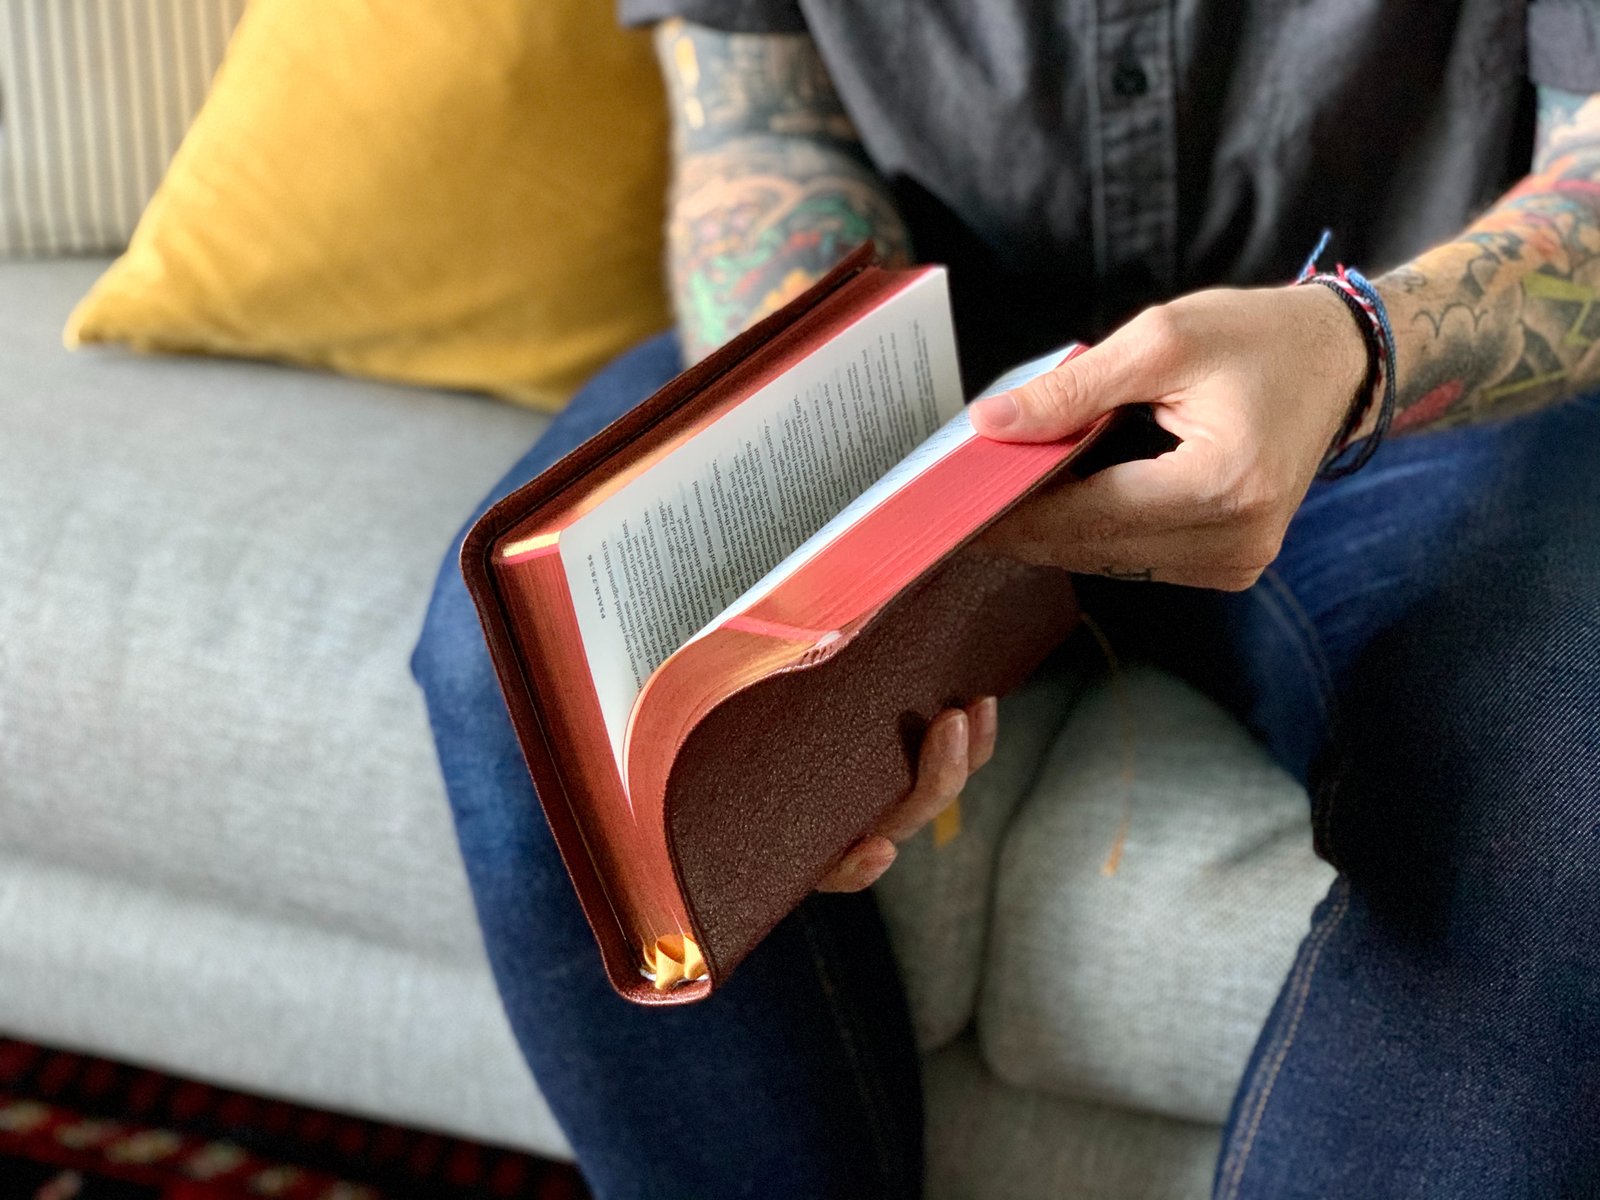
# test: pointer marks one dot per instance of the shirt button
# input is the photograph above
(1129, 80)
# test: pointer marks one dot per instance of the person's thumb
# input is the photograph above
(1068, 397)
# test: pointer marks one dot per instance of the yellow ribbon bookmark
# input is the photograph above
(672, 960)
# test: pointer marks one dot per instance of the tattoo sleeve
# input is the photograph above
(771, 186)
(1503, 319)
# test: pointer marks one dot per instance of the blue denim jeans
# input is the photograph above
(1425, 655)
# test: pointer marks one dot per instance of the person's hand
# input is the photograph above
(1255, 383)
(957, 743)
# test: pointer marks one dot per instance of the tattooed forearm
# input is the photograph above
(1503, 320)
(771, 185)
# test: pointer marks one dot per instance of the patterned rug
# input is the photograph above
(80, 1128)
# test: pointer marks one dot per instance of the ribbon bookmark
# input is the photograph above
(672, 960)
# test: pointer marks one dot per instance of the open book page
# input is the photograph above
(949, 438)
(651, 564)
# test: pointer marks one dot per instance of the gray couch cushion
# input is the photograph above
(211, 577)
(988, 1141)
(224, 848)
(279, 1007)
(1146, 988)
(935, 899)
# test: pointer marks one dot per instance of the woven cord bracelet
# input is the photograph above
(1368, 390)
(1372, 321)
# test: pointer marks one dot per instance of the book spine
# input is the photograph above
(633, 887)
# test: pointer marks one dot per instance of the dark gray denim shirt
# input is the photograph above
(1075, 160)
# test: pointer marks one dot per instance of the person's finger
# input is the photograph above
(1203, 558)
(1175, 519)
(1131, 500)
(861, 867)
(941, 774)
(1137, 363)
(983, 726)
(1196, 556)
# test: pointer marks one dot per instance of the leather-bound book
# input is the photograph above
(722, 624)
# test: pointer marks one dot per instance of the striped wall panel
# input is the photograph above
(95, 96)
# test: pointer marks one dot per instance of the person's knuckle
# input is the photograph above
(1239, 579)
(1161, 332)
(952, 774)
(1098, 528)
(1264, 548)
(1055, 396)
(1235, 491)
(1036, 552)
(1243, 567)
(1244, 501)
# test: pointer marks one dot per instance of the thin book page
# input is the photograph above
(652, 563)
(945, 441)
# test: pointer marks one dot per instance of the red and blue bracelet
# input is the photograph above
(1348, 455)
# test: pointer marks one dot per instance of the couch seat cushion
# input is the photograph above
(211, 578)
(988, 1141)
(1145, 987)
(935, 900)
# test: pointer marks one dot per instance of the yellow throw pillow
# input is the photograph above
(460, 193)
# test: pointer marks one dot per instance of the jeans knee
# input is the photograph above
(484, 775)
(1469, 788)
(451, 661)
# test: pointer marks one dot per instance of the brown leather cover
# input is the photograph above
(778, 781)
(774, 784)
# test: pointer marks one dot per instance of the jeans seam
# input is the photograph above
(1299, 620)
(1293, 616)
(871, 1096)
(1325, 790)
(1238, 1159)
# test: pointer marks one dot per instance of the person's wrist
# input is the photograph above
(1338, 349)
